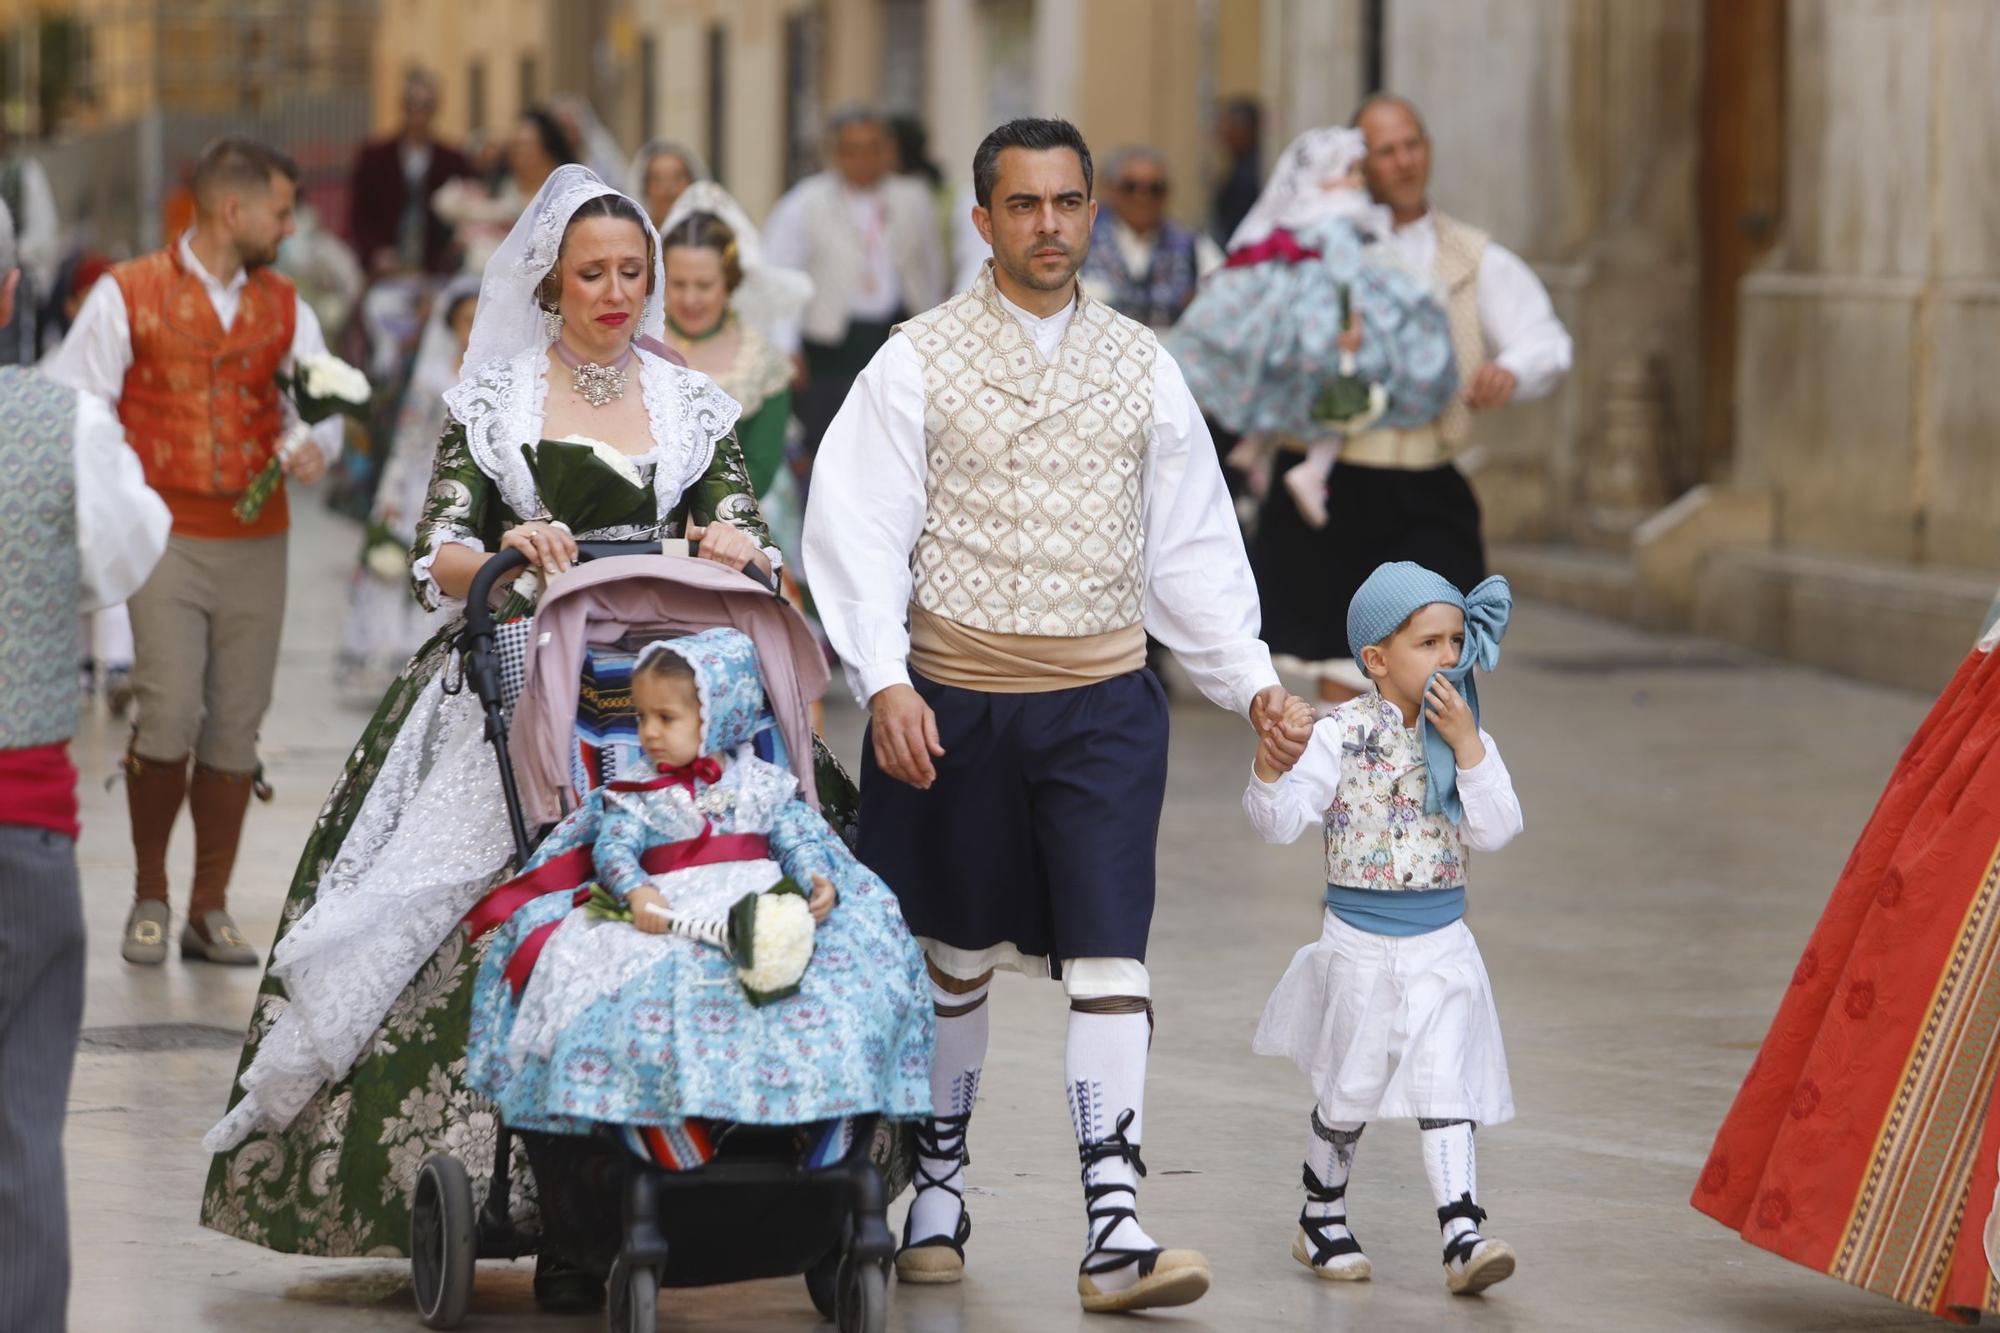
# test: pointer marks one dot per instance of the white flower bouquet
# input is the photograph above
(771, 940)
(384, 554)
(319, 387)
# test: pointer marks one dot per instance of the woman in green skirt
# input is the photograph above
(353, 1070)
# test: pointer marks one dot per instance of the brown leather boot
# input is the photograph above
(218, 801)
(154, 789)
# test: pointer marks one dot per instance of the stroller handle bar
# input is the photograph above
(478, 598)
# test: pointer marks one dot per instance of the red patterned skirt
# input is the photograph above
(1860, 1144)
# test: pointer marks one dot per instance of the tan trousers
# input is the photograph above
(205, 650)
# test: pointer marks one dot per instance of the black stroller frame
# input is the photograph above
(604, 1208)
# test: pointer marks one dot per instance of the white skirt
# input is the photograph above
(1392, 1026)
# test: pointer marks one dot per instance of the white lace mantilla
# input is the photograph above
(502, 405)
(430, 838)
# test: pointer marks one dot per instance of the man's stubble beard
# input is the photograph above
(1021, 272)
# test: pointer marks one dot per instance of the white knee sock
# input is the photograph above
(1330, 1149)
(1452, 1165)
(961, 1051)
(1105, 1067)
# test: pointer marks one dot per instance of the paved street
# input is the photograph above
(1687, 810)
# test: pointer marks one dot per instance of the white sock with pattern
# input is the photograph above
(961, 1051)
(1330, 1149)
(1452, 1164)
(1105, 1067)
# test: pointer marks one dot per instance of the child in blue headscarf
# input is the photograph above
(634, 978)
(1390, 1012)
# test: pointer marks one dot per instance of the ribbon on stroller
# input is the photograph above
(572, 873)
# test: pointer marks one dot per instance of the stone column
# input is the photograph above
(1867, 402)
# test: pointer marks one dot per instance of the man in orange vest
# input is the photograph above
(188, 343)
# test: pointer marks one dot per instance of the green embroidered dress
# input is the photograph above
(370, 954)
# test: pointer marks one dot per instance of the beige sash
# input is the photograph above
(954, 654)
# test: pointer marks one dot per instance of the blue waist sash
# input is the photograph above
(1396, 911)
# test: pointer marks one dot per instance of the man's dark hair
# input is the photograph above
(1035, 134)
(236, 163)
(555, 139)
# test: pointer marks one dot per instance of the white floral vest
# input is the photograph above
(1377, 834)
(1034, 521)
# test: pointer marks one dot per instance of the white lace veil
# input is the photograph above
(509, 320)
(768, 296)
(1299, 195)
(497, 394)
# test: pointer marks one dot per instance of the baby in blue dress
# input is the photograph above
(642, 1007)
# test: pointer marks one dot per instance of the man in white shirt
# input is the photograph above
(1142, 263)
(1399, 494)
(871, 243)
(78, 529)
(187, 342)
(1017, 491)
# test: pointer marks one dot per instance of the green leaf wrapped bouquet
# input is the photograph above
(768, 936)
(1349, 404)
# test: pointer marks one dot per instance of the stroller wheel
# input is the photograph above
(442, 1241)
(634, 1300)
(823, 1284)
(864, 1297)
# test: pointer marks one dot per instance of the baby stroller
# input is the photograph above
(754, 1211)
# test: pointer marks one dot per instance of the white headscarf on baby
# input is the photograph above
(1302, 189)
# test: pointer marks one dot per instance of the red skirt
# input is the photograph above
(1860, 1144)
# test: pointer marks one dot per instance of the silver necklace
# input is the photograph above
(596, 384)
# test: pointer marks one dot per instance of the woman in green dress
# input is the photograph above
(725, 304)
(353, 1070)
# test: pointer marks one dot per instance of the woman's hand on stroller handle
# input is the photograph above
(727, 544)
(548, 546)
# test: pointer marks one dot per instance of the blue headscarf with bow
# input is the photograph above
(1390, 596)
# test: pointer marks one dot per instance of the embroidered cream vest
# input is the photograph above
(1034, 523)
(1459, 250)
(1377, 834)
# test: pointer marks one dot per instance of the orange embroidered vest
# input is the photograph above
(201, 405)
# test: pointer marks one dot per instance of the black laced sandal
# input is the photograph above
(1481, 1260)
(1319, 1252)
(924, 1261)
(1165, 1277)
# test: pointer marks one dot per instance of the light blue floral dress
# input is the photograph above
(621, 1027)
(1260, 343)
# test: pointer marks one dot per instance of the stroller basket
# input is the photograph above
(754, 1211)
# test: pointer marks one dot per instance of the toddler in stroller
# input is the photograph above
(693, 985)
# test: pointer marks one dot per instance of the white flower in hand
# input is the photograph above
(328, 377)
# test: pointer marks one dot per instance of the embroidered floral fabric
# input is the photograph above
(1377, 834)
(623, 1027)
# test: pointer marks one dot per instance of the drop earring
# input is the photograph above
(552, 322)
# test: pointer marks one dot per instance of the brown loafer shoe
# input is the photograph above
(216, 940)
(1177, 1277)
(146, 933)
